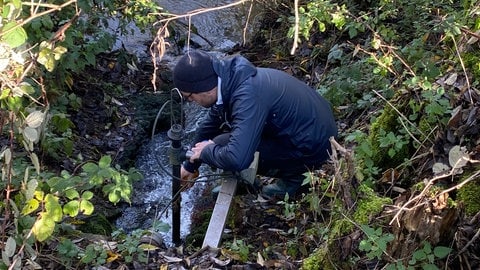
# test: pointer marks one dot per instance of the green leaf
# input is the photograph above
(420, 255)
(27, 88)
(429, 267)
(67, 248)
(96, 180)
(90, 57)
(365, 245)
(71, 208)
(30, 206)
(4, 93)
(39, 195)
(105, 162)
(58, 52)
(16, 36)
(53, 208)
(72, 194)
(441, 252)
(60, 184)
(10, 247)
(46, 57)
(427, 248)
(114, 197)
(105, 172)
(90, 167)
(43, 228)
(87, 195)
(86, 207)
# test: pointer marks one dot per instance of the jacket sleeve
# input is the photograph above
(208, 129)
(248, 118)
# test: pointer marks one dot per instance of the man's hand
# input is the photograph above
(197, 150)
(188, 177)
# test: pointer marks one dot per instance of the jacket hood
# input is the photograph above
(233, 71)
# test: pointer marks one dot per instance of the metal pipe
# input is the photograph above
(175, 134)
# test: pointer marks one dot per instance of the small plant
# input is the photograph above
(423, 258)
(363, 156)
(240, 249)
(94, 254)
(67, 251)
(289, 208)
(393, 142)
(129, 247)
(375, 245)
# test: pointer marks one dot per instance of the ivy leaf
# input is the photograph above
(16, 37)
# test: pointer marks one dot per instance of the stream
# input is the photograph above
(150, 208)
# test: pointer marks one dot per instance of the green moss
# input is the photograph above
(387, 122)
(472, 62)
(468, 194)
(318, 260)
(369, 205)
(341, 227)
(96, 224)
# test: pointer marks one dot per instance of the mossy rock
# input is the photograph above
(468, 194)
(369, 205)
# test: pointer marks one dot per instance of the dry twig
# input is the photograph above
(159, 45)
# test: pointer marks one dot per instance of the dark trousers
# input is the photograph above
(279, 159)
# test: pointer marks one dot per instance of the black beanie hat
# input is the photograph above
(194, 73)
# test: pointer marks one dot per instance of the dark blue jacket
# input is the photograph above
(264, 103)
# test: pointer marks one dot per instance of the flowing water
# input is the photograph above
(151, 198)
